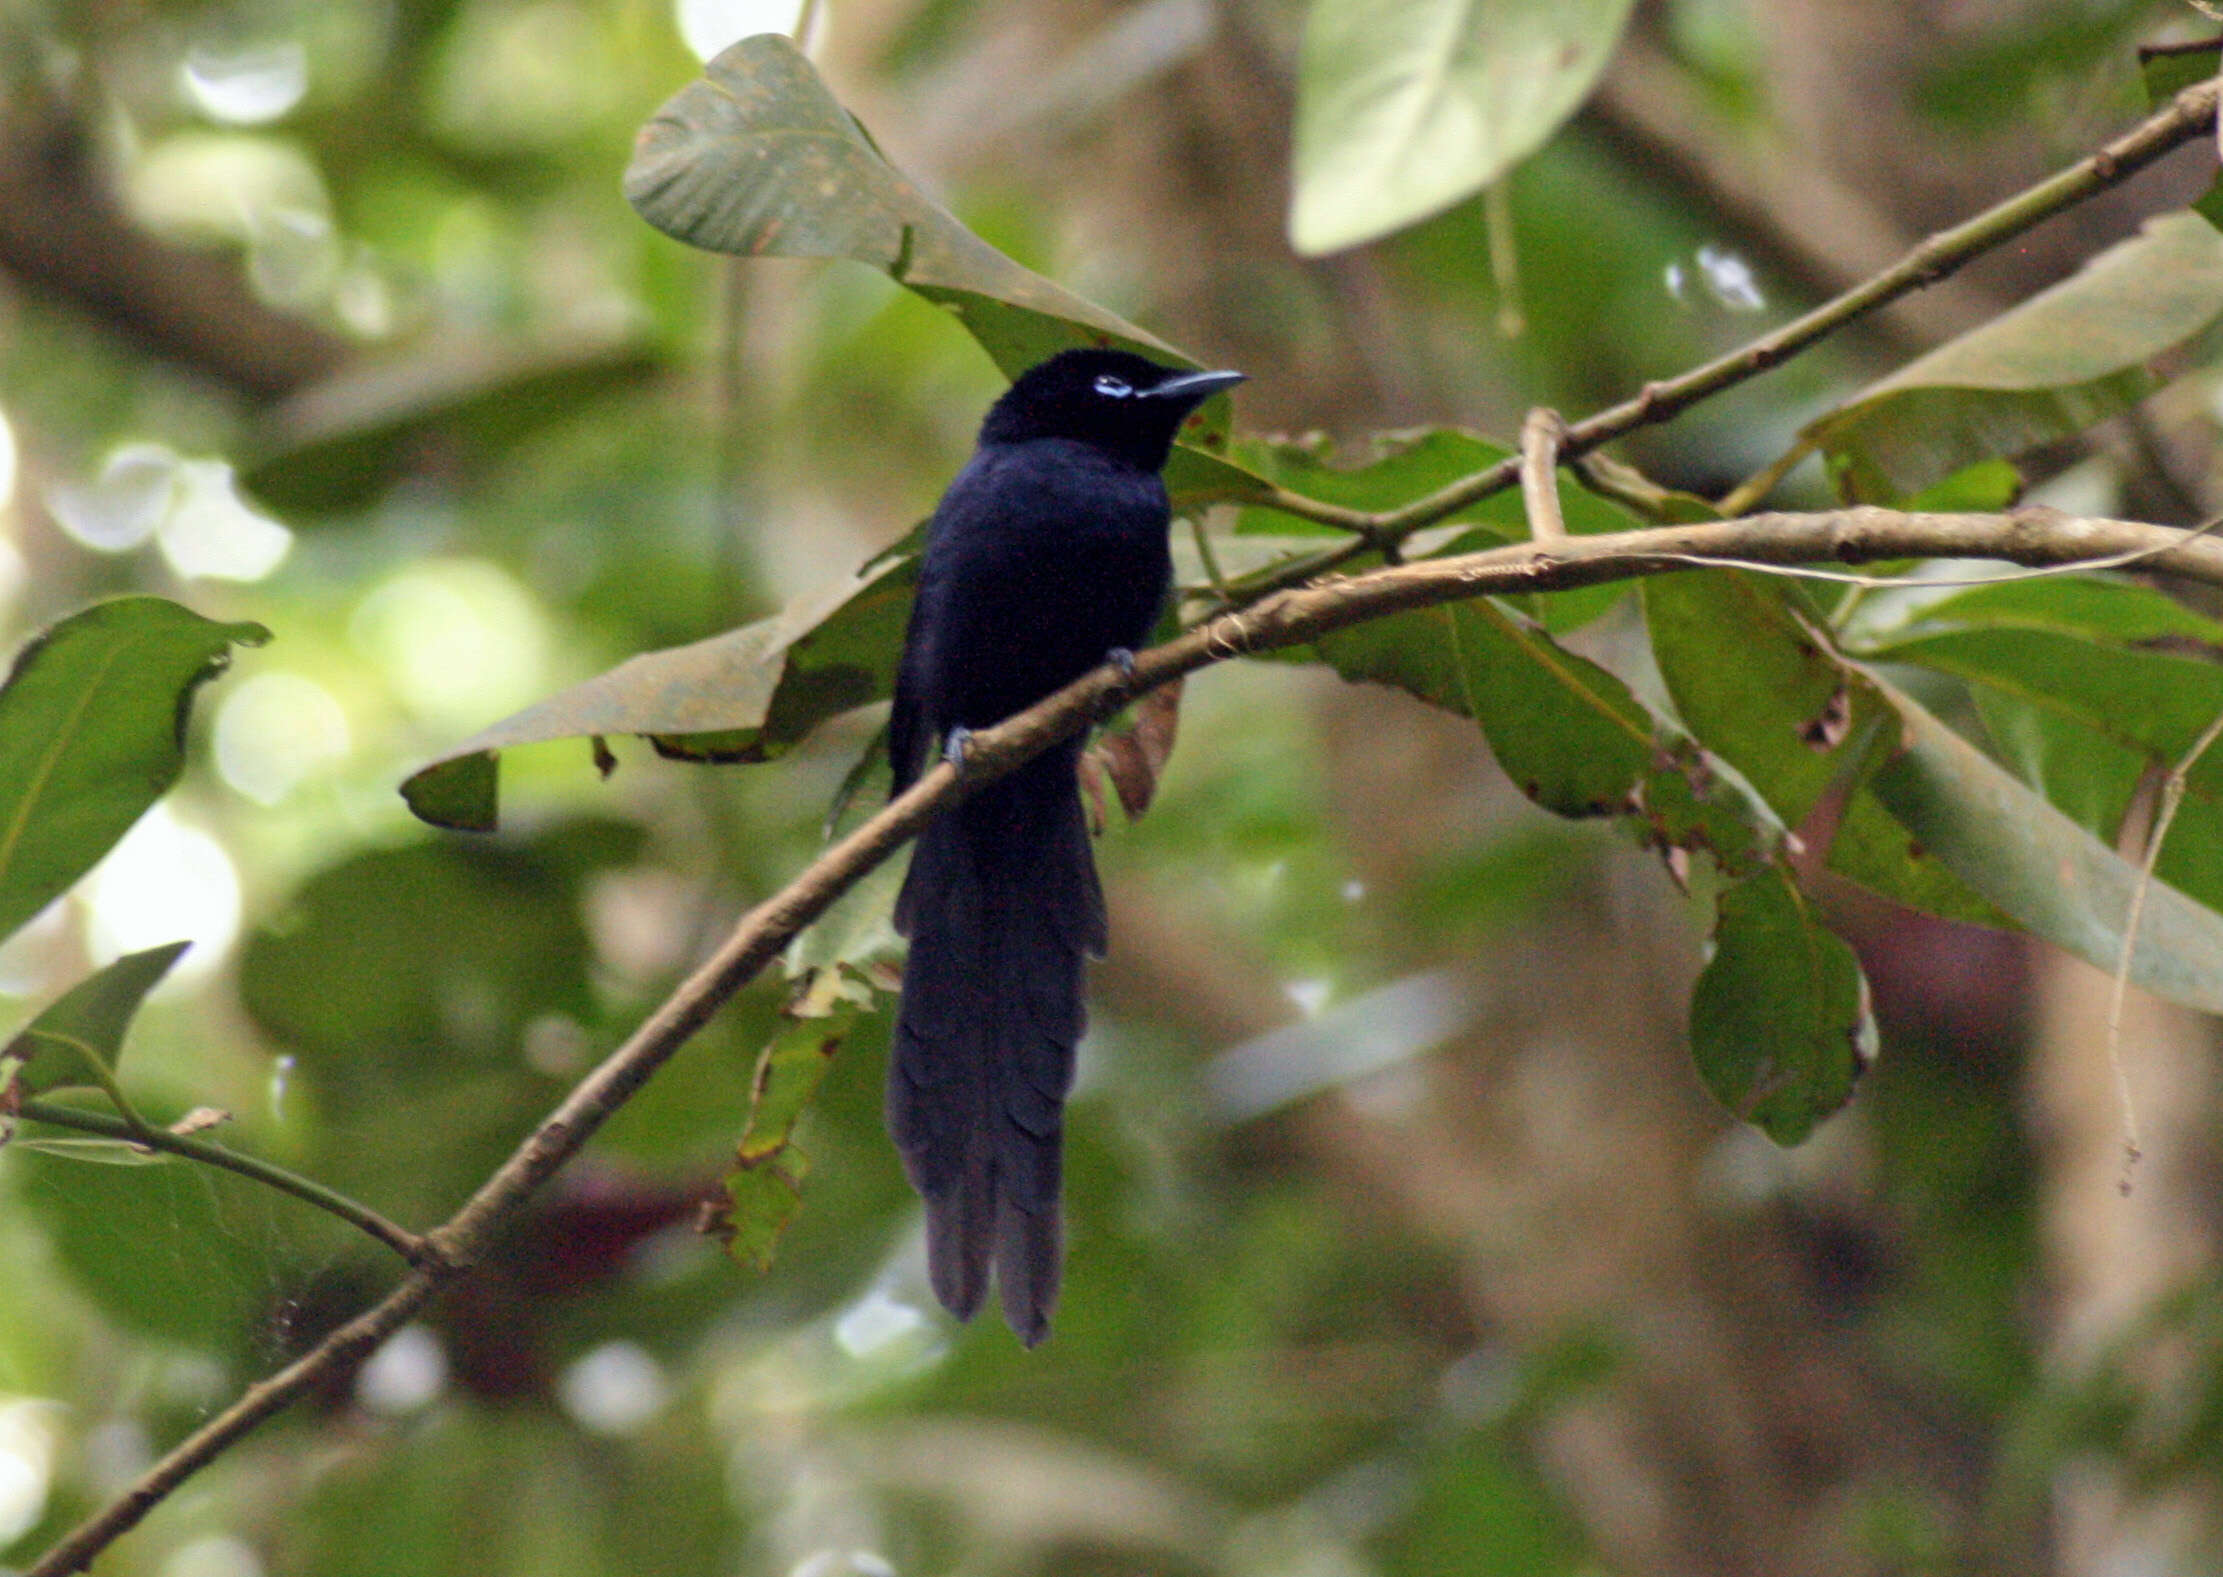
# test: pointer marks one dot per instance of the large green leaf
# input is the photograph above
(2084, 721)
(78, 1039)
(2067, 358)
(92, 732)
(746, 695)
(2004, 840)
(2091, 606)
(1569, 733)
(1779, 1019)
(1405, 108)
(159, 1247)
(1757, 682)
(757, 158)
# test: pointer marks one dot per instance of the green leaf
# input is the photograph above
(2005, 841)
(92, 725)
(1570, 734)
(2067, 358)
(2168, 69)
(747, 695)
(1405, 109)
(158, 1248)
(764, 1188)
(2090, 606)
(2153, 702)
(1779, 1019)
(758, 159)
(78, 1040)
(1757, 683)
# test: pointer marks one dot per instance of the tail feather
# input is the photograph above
(1002, 906)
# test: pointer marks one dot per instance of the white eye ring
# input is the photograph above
(1117, 388)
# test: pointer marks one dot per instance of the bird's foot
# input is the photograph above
(1122, 659)
(955, 745)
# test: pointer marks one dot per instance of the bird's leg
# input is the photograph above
(955, 744)
(1123, 659)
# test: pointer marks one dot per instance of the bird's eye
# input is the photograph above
(1117, 388)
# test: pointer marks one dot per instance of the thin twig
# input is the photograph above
(2185, 118)
(2172, 796)
(407, 1244)
(1505, 257)
(1540, 436)
(1754, 490)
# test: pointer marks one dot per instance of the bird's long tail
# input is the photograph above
(1002, 907)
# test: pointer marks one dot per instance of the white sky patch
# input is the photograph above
(191, 507)
(217, 1555)
(7, 462)
(405, 1374)
(26, 1464)
(211, 533)
(876, 1322)
(276, 731)
(165, 882)
(1729, 279)
(709, 26)
(118, 509)
(614, 1389)
(459, 640)
(246, 84)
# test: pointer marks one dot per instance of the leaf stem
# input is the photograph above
(408, 1245)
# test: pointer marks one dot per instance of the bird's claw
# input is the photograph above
(1124, 660)
(955, 744)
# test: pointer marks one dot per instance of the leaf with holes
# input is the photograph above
(1779, 1020)
(764, 1188)
(1756, 681)
(92, 732)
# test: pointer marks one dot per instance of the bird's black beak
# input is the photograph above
(1194, 388)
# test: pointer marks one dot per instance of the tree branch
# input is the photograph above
(1288, 618)
(2191, 113)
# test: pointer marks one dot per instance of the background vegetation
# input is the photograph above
(1406, 1235)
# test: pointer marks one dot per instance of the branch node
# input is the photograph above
(1541, 436)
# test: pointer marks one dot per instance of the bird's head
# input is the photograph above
(1115, 400)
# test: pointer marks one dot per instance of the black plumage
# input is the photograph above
(1046, 557)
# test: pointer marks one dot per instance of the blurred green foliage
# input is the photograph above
(1503, 1291)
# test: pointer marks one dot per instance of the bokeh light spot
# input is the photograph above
(211, 533)
(248, 85)
(458, 639)
(405, 1374)
(165, 882)
(276, 731)
(614, 1389)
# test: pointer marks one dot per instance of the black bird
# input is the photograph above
(1046, 557)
